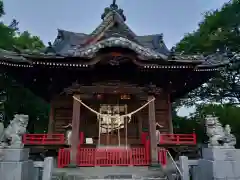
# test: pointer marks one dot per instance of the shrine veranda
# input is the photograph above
(114, 72)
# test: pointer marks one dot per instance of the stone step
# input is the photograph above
(83, 178)
(108, 173)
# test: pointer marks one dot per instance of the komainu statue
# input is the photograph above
(219, 136)
(11, 137)
(229, 139)
(1, 131)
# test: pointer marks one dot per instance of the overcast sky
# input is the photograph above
(173, 18)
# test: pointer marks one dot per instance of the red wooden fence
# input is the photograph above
(58, 139)
(173, 139)
(110, 157)
(43, 139)
(63, 157)
(178, 139)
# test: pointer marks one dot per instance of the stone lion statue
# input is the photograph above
(11, 137)
(219, 136)
(1, 130)
(229, 139)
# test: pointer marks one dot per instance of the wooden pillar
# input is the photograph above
(75, 130)
(126, 131)
(170, 115)
(107, 136)
(139, 117)
(152, 131)
(51, 119)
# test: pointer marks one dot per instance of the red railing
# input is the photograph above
(178, 139)
(86, 157)
(110, 157)
(162, 153)
(43, 139)
(173, 139)
(63, 157)
(48, 139)
(104, 157)
(140, 157)
(162, 156)
(58, 139)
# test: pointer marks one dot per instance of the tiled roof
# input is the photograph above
(113, 32)
(90, 51)
(69, 40)
(154, 42)
(210, 61)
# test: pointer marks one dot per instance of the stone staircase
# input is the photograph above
(125, 173)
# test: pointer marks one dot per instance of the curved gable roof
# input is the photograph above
(112, 25)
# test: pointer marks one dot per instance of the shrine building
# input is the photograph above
(93, 80)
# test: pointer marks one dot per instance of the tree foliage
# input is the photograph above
(25, 40)
(6, 37)
(227, 113)
(1, 8)
(220, 29)
(18, 98)
(218, 32)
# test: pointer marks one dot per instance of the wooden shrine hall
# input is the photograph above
(111, 86)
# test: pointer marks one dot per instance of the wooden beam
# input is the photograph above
(152, 131)
(105, 89)
(75, 130)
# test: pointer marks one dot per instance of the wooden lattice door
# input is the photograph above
(109, 126)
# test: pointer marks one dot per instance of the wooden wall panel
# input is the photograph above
(162, 112)
(62, 112)
(63, 117)
(89, 123)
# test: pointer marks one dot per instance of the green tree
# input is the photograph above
(188, 125)
(6, 37)
(219, 31)
(1, 8)
(227, 113)
(26, 41)
(19, 99)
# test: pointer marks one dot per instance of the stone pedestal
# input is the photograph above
(219, 163)
(15, 165)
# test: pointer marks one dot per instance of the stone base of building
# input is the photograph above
(15, 165)
(219, 163)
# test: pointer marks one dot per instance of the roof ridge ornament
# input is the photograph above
(113, 8)
(114, 5)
